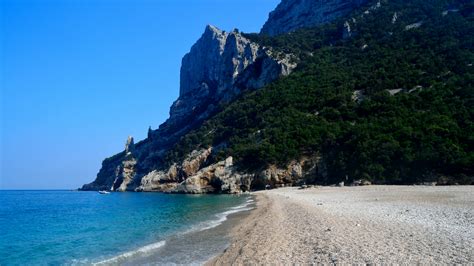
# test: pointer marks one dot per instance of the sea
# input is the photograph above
(88, 228)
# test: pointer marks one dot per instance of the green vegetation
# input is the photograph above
(422, 133)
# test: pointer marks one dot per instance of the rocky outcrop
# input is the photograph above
(168, 180)
(297, 172)
(224, 177)
(118, 173)
(190, 176)
(217, 69)
(350, 25)
(347, 30)
(125, 174)
(216, 60)
(211, 179)
(291, 15)
(414, 25)
(358, 96)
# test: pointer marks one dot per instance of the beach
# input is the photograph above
(363, 225)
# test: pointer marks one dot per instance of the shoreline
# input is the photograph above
(373, 224)
(203, 241)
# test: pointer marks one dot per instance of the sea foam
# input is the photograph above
(127, 255)
(220, 218)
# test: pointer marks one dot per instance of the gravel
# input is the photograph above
(373, 224)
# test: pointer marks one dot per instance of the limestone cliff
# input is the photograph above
(192, 176)
(219, 67)
(291, 15)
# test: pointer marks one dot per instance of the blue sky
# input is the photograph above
(78, 76)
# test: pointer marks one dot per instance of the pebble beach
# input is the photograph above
(356, 225)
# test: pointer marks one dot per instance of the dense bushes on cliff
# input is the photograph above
(393, 104)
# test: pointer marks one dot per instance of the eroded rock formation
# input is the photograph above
(218, 68)
(191, 177)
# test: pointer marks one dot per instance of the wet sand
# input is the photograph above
(374, 224)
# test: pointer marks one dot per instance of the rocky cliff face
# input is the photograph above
(118, 172)
(219, 67)
(192, 176)
(291, 15)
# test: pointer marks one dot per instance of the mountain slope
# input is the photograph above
(291, 15)
(392, 104)
(384, 94)
(216, 70)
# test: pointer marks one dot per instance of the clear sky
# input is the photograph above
(78, 76)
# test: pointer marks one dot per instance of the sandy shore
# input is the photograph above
(375, 224)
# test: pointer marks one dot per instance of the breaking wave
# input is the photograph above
(127, 255)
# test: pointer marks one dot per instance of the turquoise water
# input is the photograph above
(68, 227)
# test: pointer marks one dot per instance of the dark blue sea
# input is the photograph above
(84, 228)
